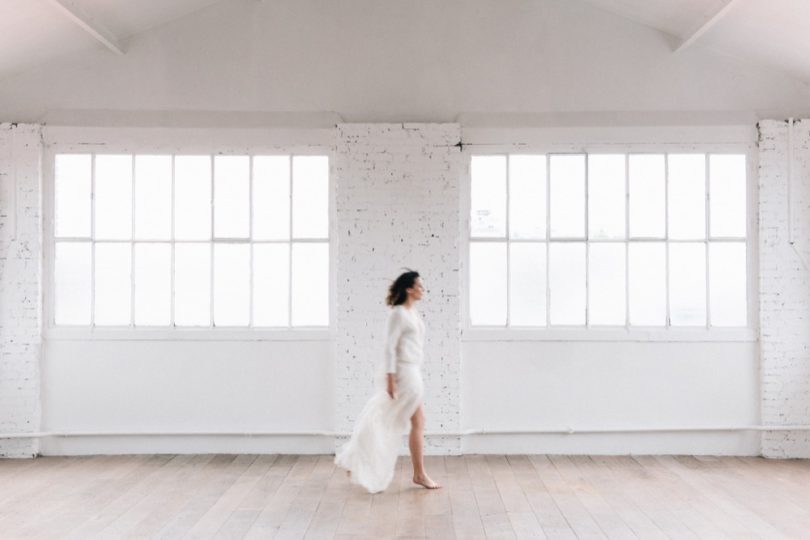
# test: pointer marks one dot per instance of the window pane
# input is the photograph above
(527, 197)
(527, 279)
(113, 283)
(153, 197)
(647, 196)
(687, 284)
(727, 283)
(647, 282)
(153, 290)
(231, 197)
(488, 196)
(192, 284)
(72, 282)
(727, 200)
(192, 197)
(567, 283)
(113, 197)
(687, 196)
(72, 195)
(271, 197)
(271, 284)
(606, 286)
(310, 197)
(231, 284)
(310, 284)
(488, 283)
(606, 196)
(567, 196)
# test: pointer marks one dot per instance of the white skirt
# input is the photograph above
(371, 453)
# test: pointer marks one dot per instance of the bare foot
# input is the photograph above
(425, 481)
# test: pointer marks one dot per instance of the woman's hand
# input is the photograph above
(392, 385)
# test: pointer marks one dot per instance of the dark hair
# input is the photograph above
(396, 292)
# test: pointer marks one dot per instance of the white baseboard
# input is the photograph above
(720, 443)
(700, 443)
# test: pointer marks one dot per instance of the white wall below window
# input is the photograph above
(188, 387)
(289, 387)
(631, 386)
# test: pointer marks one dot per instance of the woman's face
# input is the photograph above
(417, 291)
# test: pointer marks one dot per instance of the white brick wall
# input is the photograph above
(20, 286)
(398, 206)
(784, 287)
(398, 190)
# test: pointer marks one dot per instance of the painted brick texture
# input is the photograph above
(398, 189)
(20, 286)
(784, 287)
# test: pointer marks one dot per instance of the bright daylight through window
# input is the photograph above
(191, 240)
(622, 240)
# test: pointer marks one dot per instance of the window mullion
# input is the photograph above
(132, 186)
(707, 187)
(49, 245)
(548, 240)
(508, 246)
(666, 237)
(587, 242)
(627, 241)
(173, 244)
(92, 240)
(250, 240)
(211, 234)
(290, 244)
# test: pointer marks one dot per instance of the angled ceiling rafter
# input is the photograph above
(71, 10)
(705, 26)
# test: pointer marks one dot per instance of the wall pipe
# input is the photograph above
(790, 180)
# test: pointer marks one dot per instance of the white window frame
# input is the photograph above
(626, 332)
(243, 143)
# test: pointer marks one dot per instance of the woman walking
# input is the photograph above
(370, 455)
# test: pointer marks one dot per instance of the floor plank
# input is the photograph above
(483, 496)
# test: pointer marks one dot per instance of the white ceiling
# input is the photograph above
(674, 17)
(125, 18)
(32, 31)
(773, 32)
(769, 32)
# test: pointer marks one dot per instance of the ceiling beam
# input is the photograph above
(706, 26)
(74, 13)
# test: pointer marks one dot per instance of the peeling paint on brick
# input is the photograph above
(20, 286)
(397, 206)
(784, 288)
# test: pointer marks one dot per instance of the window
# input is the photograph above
(191, 240)
(608, 240)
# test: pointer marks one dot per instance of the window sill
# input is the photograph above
(611, 334)
(65, 333)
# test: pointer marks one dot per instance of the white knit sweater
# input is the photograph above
(405, 337)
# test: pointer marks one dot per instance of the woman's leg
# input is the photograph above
(416, 444)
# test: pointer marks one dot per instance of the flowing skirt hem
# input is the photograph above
(371, 453)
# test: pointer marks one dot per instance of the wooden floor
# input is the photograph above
(265, 496)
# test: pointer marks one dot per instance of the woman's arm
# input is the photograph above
(391, 385)
(392, 335)
(393, 331)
